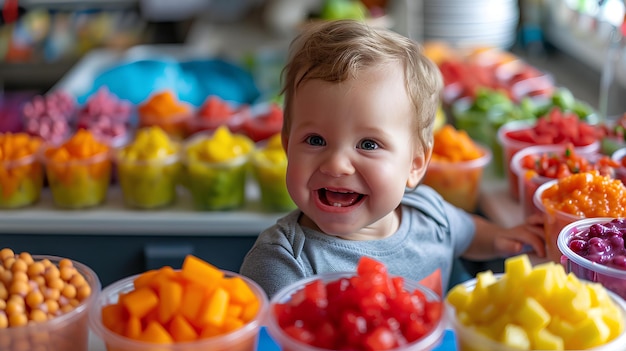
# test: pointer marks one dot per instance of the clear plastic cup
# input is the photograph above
(269, 167)
(527, 184)
(553, 223)
(511, 146)
(469, 339)
(458, 182)
(20, 182)
(79, 183)
(288, 343)
(245, 338)
(215, 186)
(176, 126)
(611, 278)
(65, 332)
(148, 184)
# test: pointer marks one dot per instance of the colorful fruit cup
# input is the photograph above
(458, 182)
(78, 171)
(553, 221)
(481, 118)
(21, 174)
(471, 337)
(215, 112)
(510, 146)
(528, 180)
(163, 109)
(288, 342)
(611, 278)
(244, 338)
(264, 121)
(269, 167)
(148, 183)
(67, 331)
(215, 169)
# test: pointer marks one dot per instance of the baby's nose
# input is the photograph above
(336, 165)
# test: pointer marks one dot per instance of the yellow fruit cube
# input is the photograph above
(540, 281)
(531, 315)
(518, 266)
(590, 332)
(459, 297)
(543, 339)
(515, 336)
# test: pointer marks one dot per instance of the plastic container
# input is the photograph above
(611, 278)
(287, 343)
(215, 186)
(79, 183)
(510, 147)
(470, 340)
(20, 182)
(245, 338)
(527, 183)
(176, 126)
(553, 222)
(269, 167)
(66, 332)
(148, 184)
(458, 182)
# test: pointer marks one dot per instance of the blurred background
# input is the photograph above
(40, 40)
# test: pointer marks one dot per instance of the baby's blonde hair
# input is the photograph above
(335, 51)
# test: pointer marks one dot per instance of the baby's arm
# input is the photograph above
(492, 241)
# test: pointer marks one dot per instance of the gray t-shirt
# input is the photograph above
(431, 234)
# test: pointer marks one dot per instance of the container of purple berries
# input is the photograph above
(593, 249)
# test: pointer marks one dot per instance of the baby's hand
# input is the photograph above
(527, 237)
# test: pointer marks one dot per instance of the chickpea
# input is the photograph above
(4, 320)
(83, 292)
(34, 299)
(52, 306)
(36, 269)
(69, 291)
(38, 316)
(8, 262)
(6, 253)
(66, 273)
(56, 283)
(18, 320)
(14, 308)
(19, 288)
(19, 266)
(26, 257)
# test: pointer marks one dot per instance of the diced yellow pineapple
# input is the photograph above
(561, 327)
(459, 297)
(615, 321)
(515, 336)
(540, 281)
(597, 293)
(590, 332)
(543, 339)
(518, 266)
(531, 315)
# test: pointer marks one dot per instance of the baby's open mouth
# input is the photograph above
(339, 198)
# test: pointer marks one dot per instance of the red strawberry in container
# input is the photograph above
(215, 112)
(267, 120)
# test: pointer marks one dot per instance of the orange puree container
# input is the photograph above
(163, 109)
(21, 174)
(78, 171)
(582, 195)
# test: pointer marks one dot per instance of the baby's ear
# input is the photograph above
(418, 168)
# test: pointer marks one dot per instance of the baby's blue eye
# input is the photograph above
(315, 140)
(368, 144)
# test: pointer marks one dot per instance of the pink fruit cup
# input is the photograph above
(593, 249)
